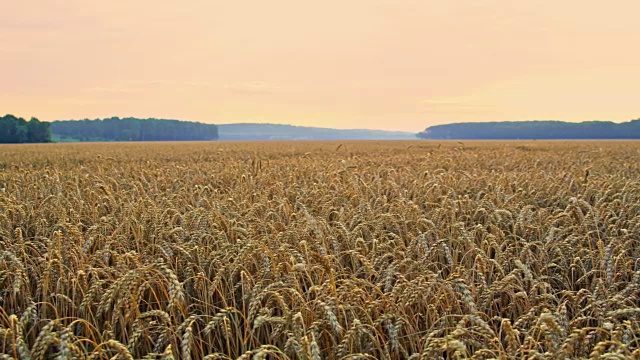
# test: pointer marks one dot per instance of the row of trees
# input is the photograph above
(534, 130)
(133, 129)
(15, 130)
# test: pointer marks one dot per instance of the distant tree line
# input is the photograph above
(530, 130)
(15, 130)
(132, 129)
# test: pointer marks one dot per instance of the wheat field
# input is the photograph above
(320, 250)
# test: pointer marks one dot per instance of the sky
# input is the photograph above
(378, 64)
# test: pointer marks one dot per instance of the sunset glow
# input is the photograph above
(379, 64)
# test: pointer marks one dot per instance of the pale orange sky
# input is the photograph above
(380, 64)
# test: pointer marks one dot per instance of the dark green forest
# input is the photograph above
(532, 130)
(132, 129)
(15, 130)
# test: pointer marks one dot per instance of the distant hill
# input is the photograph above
(252, 131)
(131, 129)
(530, 130)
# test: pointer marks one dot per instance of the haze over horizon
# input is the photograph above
(368, 64)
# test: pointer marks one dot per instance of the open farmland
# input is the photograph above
(320, 250)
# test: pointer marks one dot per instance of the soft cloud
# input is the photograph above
(449, 105)
(252, 87)
(145, 86)
(112, 90)
(444, 101)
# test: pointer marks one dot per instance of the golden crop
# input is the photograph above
(320, 250)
